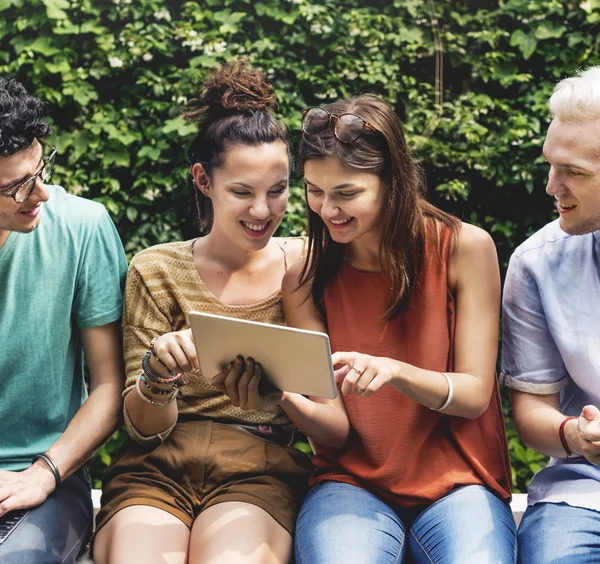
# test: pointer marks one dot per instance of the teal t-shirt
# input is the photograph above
(64, 276)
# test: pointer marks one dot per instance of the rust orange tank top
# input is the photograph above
(404, 452)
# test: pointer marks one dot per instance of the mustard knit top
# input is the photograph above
(163, 286)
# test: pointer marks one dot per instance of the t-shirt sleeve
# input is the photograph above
(99, 288)
(531, 362)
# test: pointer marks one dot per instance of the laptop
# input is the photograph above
(292, 360)
(10, 521)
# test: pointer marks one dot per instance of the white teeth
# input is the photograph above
(253, 226)
(567, 206)
(340, 221)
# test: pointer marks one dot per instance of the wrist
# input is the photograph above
(398, 379)
(571, 436)
(43, 475)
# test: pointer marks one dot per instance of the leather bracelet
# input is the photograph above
(50, 463)
(561, 434)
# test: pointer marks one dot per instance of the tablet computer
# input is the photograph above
(292, 360)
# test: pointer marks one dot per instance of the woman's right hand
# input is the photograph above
(239, 380)
(177, 351)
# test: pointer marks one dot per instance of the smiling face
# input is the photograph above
(249, 193)
(573, 152)
(14, 169)
(349, 201)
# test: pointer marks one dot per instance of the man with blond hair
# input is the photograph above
(551, 340)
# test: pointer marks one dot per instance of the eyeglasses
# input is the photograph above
(24, 190)
(347, 128)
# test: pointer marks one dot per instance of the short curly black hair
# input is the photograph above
(21, 118)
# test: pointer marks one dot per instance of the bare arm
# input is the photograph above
(324, 421)
(538, 419)
(92, 425)
(99, 415)
(475, 275)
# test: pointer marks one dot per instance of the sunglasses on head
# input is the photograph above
(347, 128)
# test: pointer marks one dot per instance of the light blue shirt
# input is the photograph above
(63, 277)
(551, 343)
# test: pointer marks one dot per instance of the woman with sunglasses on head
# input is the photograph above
(206, 476)
(410, 297)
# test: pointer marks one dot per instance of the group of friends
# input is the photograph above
(410, 459)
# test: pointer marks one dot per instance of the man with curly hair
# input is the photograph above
(61, 272)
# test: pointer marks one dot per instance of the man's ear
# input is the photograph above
(200, 178)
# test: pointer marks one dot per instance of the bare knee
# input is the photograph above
(142, 535)
(238, 533)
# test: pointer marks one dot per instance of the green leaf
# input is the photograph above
(150, 152)
(119, 157)
(5, 5)
(548, 30)
(178, 124)
(60, 67)
(44, 46)
(55, 9)
(525, 42)
(131, 213)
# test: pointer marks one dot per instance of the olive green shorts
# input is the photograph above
(202, 463)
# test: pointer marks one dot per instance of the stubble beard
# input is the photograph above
(582, 228)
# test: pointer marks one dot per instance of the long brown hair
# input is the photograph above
(404, 211)
(234, 106)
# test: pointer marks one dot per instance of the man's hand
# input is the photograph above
(29, 488)
(240, 381)
(586, 434)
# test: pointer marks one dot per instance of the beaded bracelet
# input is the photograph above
(154, 377)
(151, 402)
(50, 463)
(171, 373)
(156, 391)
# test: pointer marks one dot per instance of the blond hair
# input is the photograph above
(577, 98)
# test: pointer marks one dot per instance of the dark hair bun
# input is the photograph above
(230, 89)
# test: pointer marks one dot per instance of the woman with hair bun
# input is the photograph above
(208, 473)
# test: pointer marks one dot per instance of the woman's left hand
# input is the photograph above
(240, 381)
(362, 374)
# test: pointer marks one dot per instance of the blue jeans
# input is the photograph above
(340, 523)
(56, 531)
(557, 533)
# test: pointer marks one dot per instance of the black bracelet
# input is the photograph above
(50, 463)
(152, 376)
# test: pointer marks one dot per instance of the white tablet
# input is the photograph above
(293, 360)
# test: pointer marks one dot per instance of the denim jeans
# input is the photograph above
(340, 523)
(56, 531)
(557, 533)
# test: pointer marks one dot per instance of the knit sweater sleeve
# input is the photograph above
(143, 320)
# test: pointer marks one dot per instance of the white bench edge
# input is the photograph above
(517, 505)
